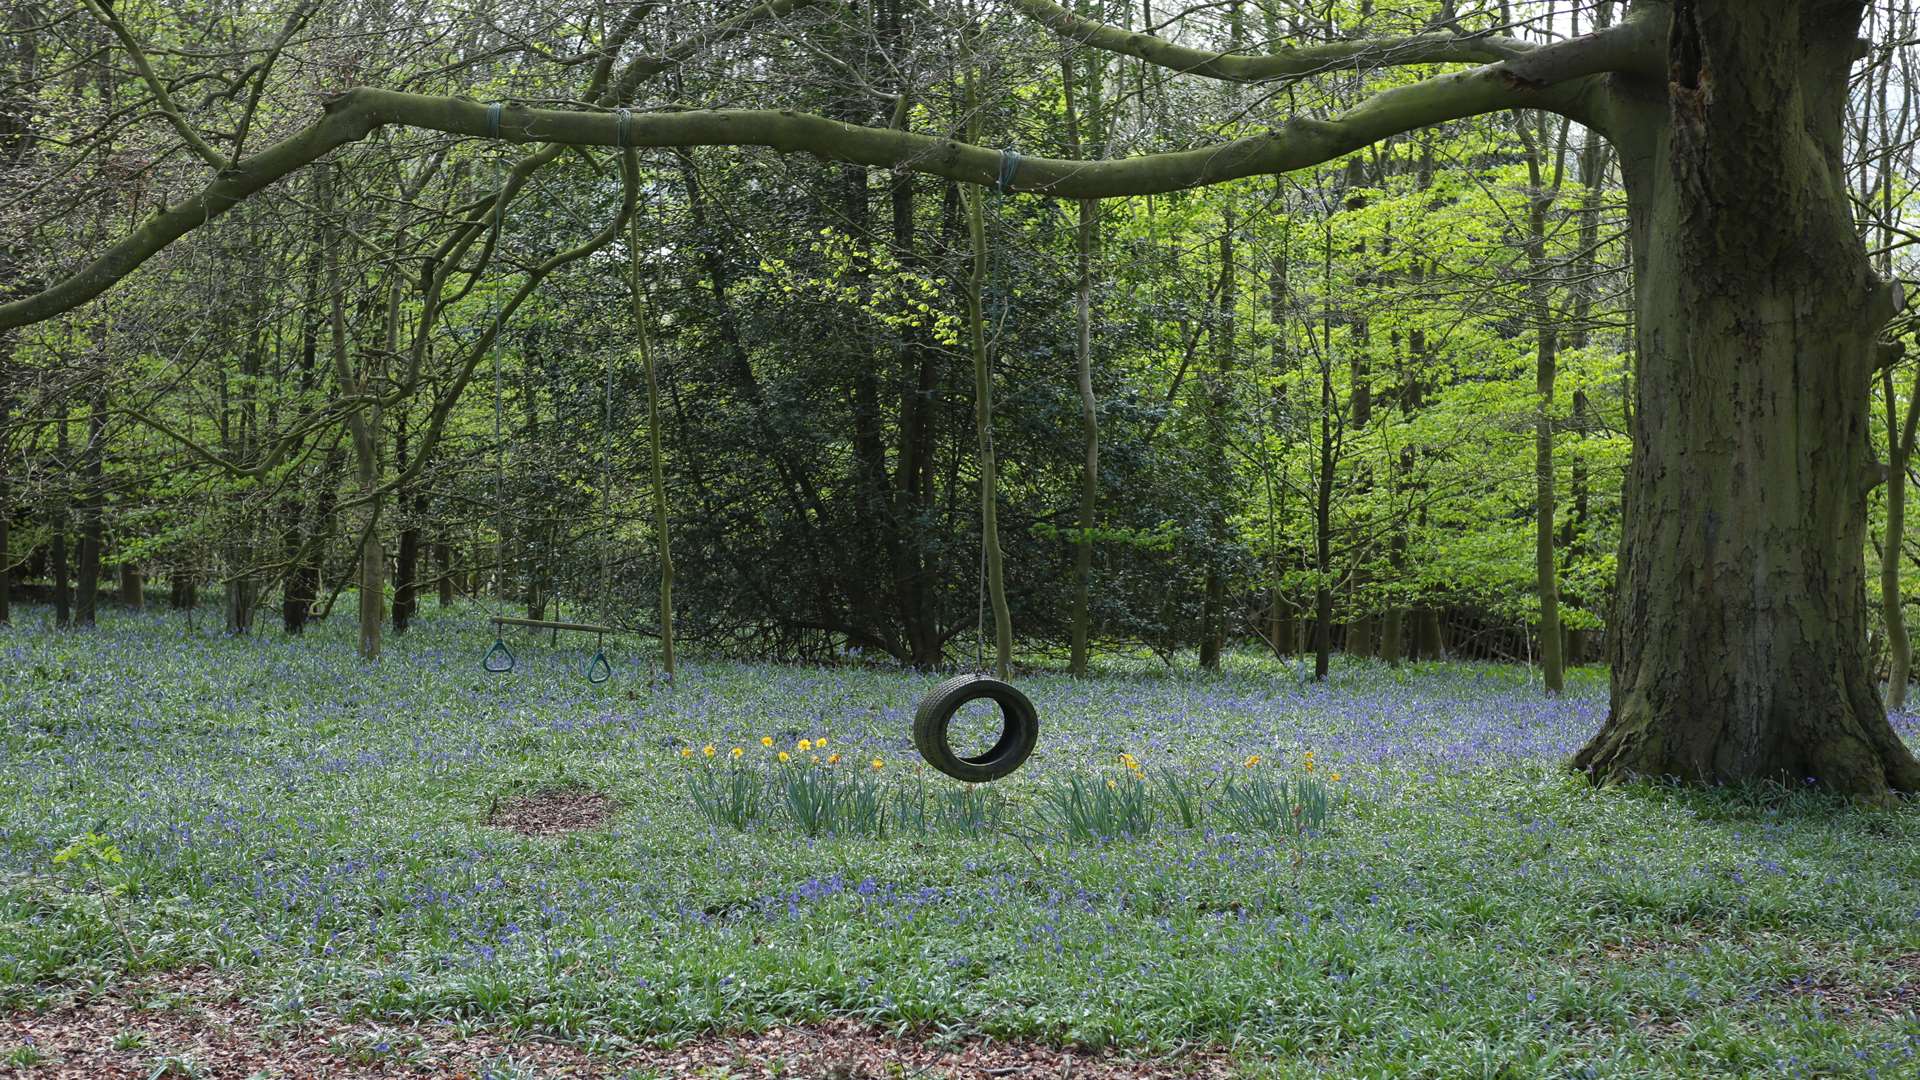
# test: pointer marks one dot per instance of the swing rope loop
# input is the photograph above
(493, 120)
(621, 129)
(499, 659)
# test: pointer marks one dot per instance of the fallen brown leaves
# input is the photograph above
(191, 1025)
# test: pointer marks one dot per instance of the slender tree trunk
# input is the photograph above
(656, 457)
(406, 560)
(406, 569)
(361, 426)
(1090, 432)
(1573, 542)
(133, 586)
(1430, 637)
(183, 594)
(1546, 570)
(1087, 235)
(1361, 626)
(6, 546)
(983, 430)
(6, 490)
(93, 506)
(1739, 628)
(1219, 407)
(443, 570)
(1392, 630)
(1899, 450)
(1323, 531)
(1545, 566)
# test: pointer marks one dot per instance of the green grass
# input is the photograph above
(316, 829)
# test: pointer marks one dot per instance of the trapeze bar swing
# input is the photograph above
(500, 660)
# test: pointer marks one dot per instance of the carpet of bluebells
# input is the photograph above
(317, 830)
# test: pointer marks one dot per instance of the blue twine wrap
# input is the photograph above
(1009, 165)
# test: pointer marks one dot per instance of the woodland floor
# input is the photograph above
(306, 867)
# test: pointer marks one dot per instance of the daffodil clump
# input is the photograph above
(1102, 806)
(811, 789)
(1275, 799)
(1257, 795)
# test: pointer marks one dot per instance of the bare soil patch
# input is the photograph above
(191, 1024)
(550, 813)
(1843, 996)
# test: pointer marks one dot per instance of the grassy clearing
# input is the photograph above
(317, 833)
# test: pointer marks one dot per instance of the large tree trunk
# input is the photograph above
(1738, 632)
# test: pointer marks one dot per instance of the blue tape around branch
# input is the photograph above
(1009, 165)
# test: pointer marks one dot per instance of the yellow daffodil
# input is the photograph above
(686, 751)
(1111, 785)
(784, 757)
(766, 740)
(819, 742)
(1335, 777)
(833, 759)
(1251, 761)
(877, 763)
(707, 750)
(737, 751)
(815, 759)
(804, 746)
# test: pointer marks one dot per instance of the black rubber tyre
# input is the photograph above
(1019, 729)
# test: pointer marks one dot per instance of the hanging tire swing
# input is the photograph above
(1020, 721)
(1019, 729)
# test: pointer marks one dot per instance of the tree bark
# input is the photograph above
(92, 506)
(1219, 406)
(443, 570)
(1546, 571)
(1090, 436)
(983, 431)
(183, 593)
(1899, 450)
(1738, 632)
(133, 587)
(6, 489)
(406, 559)
(656, 457)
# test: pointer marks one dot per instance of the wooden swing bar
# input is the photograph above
(547, 624)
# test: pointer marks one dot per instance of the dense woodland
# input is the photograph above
(1381, 405)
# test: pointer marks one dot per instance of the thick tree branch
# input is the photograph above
(1635, 46)
(1296, 144)
(1258, 67)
